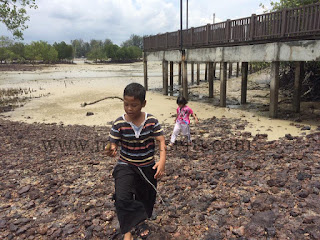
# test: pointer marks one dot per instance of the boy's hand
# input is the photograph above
(160, 166)
(111, 149)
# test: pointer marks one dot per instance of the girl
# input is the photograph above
(182, 121)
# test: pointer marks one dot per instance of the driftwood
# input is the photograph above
(85, 104)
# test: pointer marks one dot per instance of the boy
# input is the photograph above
(136, 170)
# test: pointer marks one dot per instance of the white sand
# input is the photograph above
(69, 86)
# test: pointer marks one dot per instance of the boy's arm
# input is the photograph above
(111, 149)
(160, 166)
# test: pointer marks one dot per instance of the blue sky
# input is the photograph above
(65, 20)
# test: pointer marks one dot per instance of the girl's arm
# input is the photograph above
(160, 166)
(195, 117)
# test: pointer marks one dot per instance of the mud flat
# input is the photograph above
(58, 91)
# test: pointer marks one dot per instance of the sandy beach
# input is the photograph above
(58, 91)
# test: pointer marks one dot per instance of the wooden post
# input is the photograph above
(274, 89)
(214, 70)
(244, 82)
(230, 70)
(180, 75)
(185, 79)
(210, 79)
(171, 78)
(145, 70)
(283, 22)
(252, 26)
(223, 85)
(165, 77)
(297, 85)
(198, 73)
(237, 73)
(192, 73)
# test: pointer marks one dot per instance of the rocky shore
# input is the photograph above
(56, 183)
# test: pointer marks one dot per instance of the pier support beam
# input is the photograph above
(185, 76)
(299, 70)
(145, 73)
(165, 77)
(274, 89)
(223, 85)
(244, 82)
(171, 78)
(230, 70)
(206, 73)
(237, 73)
(214, 70)
(198, 73)
(179, 75)
(210, 79)
(192, 73)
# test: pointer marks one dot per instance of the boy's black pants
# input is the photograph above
(134, 196)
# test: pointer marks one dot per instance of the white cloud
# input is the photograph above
(65, 20)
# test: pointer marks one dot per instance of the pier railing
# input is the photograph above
(288, 24)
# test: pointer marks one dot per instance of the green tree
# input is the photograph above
(18, 49)
(134, 40)
(111, 51)
(278, 5)
(14, 15)
(96, 53)
(65, 51)
(80, 47)
(41, 51)
(6, 42)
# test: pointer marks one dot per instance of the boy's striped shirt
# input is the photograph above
(137, 151)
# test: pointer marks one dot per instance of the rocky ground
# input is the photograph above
(56, 183)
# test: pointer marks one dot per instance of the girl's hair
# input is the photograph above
(181, 100)
(135, 90)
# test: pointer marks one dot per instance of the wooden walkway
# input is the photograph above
(288, 35)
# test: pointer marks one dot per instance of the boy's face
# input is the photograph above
(133, 106)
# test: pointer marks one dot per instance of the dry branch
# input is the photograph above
(91, 103)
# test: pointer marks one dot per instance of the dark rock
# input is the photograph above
(89, 114)
(24, 189)
(306, 128)
(271, 231)
(302, 176)
(303, 193)
(170, 228)
(289, 137)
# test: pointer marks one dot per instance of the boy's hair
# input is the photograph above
(181, 100)
(135, 90)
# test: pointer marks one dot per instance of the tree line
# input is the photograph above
(43, 52)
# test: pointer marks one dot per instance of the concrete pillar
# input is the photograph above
(198, 73)
(206, 72)
(230, 70)
(210, 79)
(299, 71)
(223, 85)
(192, 73)
(244, 82)
(180, 75)
(171, 78)
(274, 89)
(165, 77)
(237, 73)
(145, 70)
(185, 76)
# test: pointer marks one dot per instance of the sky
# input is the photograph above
(66, 20)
